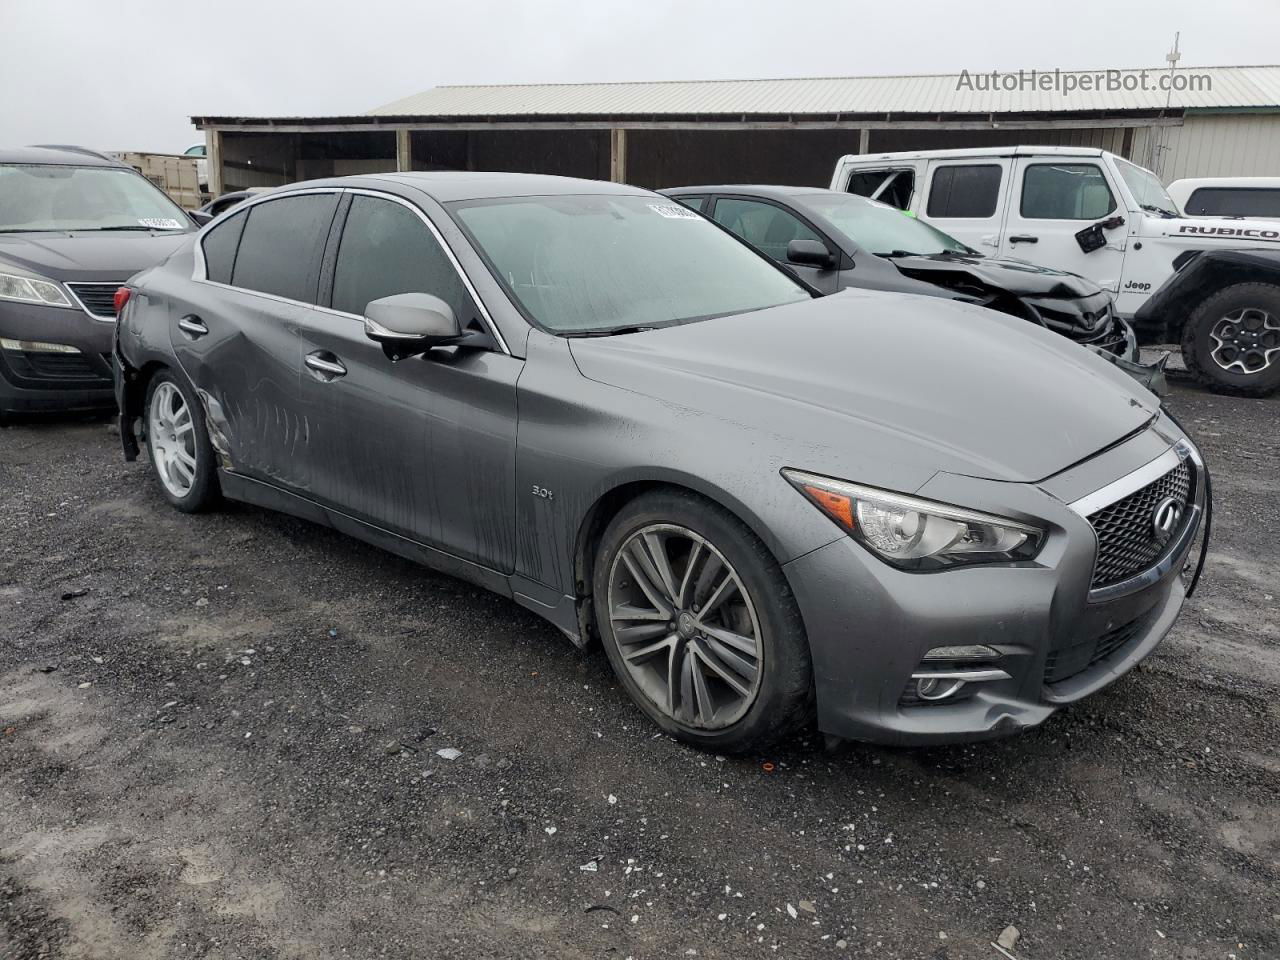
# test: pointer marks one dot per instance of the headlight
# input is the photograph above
(917, 534)
(29, 289)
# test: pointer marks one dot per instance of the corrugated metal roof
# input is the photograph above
(926, 94)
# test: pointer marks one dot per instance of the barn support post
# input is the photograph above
(213, 161)
(404, 151)
(618, 155)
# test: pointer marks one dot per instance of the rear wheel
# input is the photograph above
(699, 624)
(1231, 341)
(178, 445)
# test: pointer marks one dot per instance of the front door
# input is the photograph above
(1053, 201)
(423, 447)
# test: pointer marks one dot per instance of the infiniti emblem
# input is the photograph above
(1164, 519)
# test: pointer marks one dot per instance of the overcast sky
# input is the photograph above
(128, 74)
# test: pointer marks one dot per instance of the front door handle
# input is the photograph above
(326, 366)
(1023, 238)
(192, 326)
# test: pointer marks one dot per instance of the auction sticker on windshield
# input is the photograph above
(673, 211)
(160, 223)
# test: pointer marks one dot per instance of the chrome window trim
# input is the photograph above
(92, 283)
(199, 270)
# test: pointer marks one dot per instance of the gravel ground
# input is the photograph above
(219, 737)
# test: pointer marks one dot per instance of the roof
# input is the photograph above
(446, 186)
(949, 93)
(755, 189)
(79, 156)
(966, 152)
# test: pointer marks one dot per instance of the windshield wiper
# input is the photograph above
(130, 226)
(1152, 208)
(893, 254)
(609, 331)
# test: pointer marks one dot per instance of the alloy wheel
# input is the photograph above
(1245, 341)
(171, 436)
(686, 627)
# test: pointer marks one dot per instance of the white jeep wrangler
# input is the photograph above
(1091, 212)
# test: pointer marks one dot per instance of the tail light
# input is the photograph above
(121, 297)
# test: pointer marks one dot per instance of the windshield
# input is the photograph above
(1147, 189)
(38, 197)
(579, 264)
(879, 228)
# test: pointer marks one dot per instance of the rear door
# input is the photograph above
(1054, 200)
(235, 330)
(424, 447)
(769, 227)
(966, 198)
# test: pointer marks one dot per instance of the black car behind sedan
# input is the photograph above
(837, 240)
(74, 226)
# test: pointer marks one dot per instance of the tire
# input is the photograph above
(167, 429)
(755, 605)
(1216, 337)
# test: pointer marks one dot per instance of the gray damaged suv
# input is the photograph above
(589, 398)
(74, 226)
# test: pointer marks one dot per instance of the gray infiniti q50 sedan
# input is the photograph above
(913, 520)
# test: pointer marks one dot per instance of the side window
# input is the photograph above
(1234, 202)
(866, 182)
(386, 249)
(282, 244)
(1065, 191)
(897, 191)
(962, 191)
(195, 151)
(894, 186)
(219, 246)
(767, 228)
(693, 203)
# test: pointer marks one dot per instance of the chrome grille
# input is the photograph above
(98, 299)
(1127, 542)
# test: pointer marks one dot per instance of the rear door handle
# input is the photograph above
(192, 326)
(1023, 238)
(326, 366)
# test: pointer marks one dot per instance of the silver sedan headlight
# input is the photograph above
(28, 288)
(916, 534)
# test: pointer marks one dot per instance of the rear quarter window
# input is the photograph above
(219, 246)
(282, 244)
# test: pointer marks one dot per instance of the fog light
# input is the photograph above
(936, 688)
(35, 346)
(971, 652)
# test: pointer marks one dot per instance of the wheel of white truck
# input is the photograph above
(1231, 341)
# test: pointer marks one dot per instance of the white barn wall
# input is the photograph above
(1217, 145)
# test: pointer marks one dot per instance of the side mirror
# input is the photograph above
(410, 323)
(810, 253)
(199, 217)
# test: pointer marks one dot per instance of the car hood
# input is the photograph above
(867, 385)
(88, 255)
(1016, 276)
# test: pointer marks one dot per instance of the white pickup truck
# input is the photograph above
(1093, 213)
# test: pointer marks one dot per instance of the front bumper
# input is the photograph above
(870, 625)
(36, 382)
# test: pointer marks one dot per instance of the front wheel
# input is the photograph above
(1231, 341)
(700, 625)
(178, 445)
